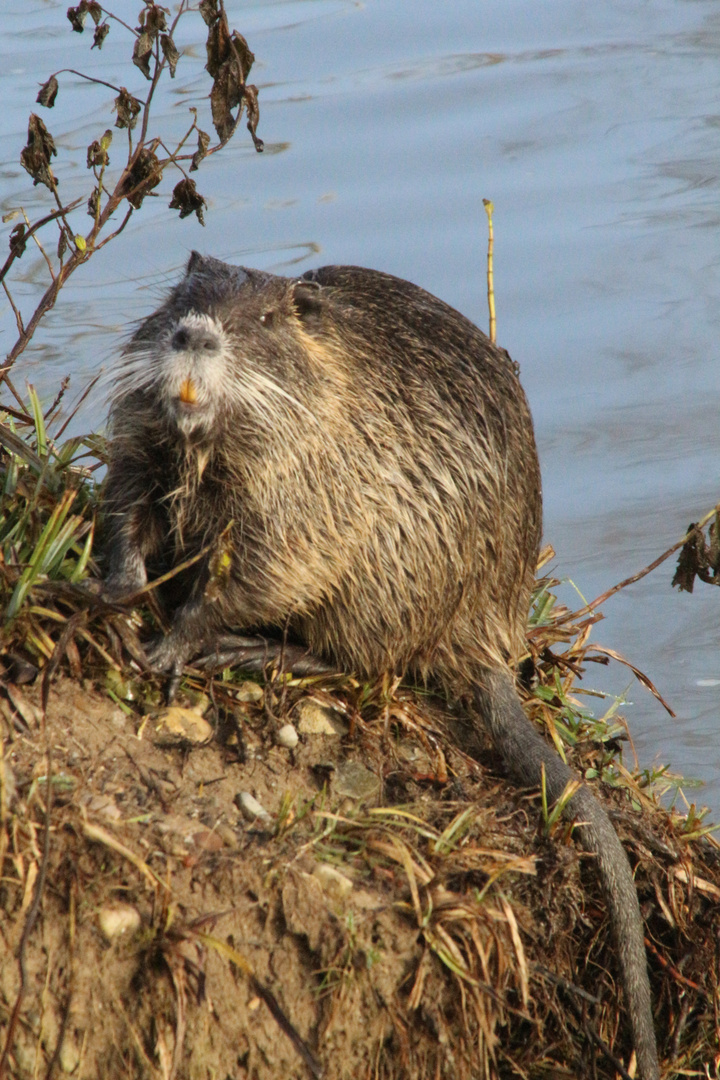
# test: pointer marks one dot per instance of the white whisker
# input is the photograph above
(255, 386)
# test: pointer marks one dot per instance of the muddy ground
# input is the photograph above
(386, 907)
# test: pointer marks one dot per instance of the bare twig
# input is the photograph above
(91, 78)
(599, 600)
(47, 303)
(677, 975)
(127, 26)
(34, 228)
(492, 330)
(42, 250)
(128, 215)
(4, 378)
(75, 407)
(58, 398)
(18, 316)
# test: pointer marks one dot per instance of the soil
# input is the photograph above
(394, 911)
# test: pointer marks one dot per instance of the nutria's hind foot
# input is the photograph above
(256, 654)
(170, 654)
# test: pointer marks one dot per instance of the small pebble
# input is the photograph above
(249, 691)
(355, 781)
(119, 920)
(287, 736)
(315, 719)
(176, 724)
(251, 808)
(333, 882)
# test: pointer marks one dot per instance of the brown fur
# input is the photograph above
(374, 453)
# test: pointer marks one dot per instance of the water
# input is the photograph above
(595, 130)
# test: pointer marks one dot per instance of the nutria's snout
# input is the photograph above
(194, 373)
(198, 337)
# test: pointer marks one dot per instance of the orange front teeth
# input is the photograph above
(188, 392)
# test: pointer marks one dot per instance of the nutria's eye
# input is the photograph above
(267, 318)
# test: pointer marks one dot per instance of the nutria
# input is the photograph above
(357, 462)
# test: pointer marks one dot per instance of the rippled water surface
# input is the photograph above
(594, 128)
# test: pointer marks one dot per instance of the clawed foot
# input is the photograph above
(255, 654)
(169, 656)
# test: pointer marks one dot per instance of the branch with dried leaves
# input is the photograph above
(115, 196)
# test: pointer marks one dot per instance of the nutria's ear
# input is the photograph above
(307, 300)
(194, 262)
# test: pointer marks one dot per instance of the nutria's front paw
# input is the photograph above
(167, 654)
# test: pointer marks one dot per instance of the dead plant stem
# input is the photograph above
(573, 615)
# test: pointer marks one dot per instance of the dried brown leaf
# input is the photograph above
(217, 45)
(35, 157)
(77, 16)
(188, 200)
(18, 240)
(253, 115)
(153, 20)
(94, 203)
(243, 53)
(229, 60)
(209, 10)
(224, 91)
(698, 559)
(201, 152)
(170, 53)
(97, 154)
(48, 92)
(127, 108)
(142, 53)
(145, 174)
(101, 32)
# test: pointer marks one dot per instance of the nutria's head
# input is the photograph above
(229, 347)
(190, 372)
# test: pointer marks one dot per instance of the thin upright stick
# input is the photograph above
(490, 278)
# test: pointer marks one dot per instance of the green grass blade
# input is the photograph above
(39, 419)
(81, 565)
(19, 448)
(39, 556)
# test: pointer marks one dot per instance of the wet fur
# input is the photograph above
(374, 453)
